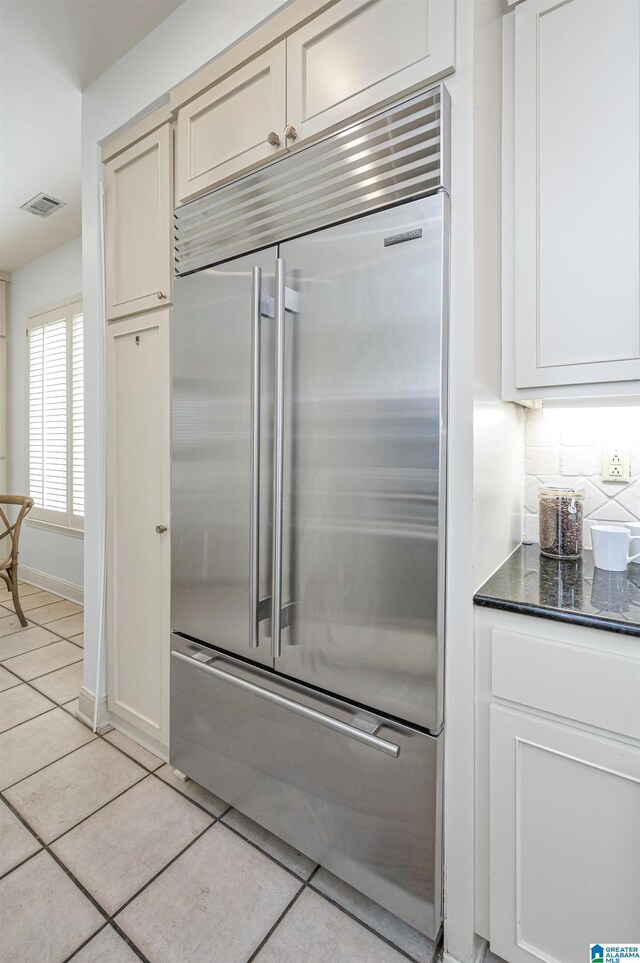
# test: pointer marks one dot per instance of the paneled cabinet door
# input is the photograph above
(234, 126)
(577, 211)
(138, 511)
(359, 53)
(138, 215)
(564, 839)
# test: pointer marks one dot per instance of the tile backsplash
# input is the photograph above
(564, 447)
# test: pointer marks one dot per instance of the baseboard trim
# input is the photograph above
(75, 593)
(86, 708)
(480, 947)
(139, 737)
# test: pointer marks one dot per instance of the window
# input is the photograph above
(56, 415)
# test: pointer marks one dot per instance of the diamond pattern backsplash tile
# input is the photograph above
(565, 448)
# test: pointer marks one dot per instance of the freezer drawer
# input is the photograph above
(355, 792)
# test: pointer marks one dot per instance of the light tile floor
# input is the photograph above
(107, 857)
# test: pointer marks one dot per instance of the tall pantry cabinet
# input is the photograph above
(138, 199)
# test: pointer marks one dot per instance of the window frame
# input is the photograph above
(65, 522)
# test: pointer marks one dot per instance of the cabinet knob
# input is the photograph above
(160, 529)
(273, 139)
(290, 132)
(161, 296)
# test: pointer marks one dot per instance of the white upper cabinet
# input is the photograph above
(347, 60)
(235, 125)
(359, 53)
(138, 212)
(576, 113)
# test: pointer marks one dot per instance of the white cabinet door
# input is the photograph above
(138, 501)
(577, 212)
(237, 124)
(564, 839)
(360, 53)
(139, 218)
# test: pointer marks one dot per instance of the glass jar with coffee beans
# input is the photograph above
(560, 517)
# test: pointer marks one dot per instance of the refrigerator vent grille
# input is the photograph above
(395, 155)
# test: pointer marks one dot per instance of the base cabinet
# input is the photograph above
(138, 510)
(557, 787)
(565, 839)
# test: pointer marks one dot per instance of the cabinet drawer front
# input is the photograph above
(599, 689)
(332, 793)
(224, 132)
(358, 54)
(577, 244)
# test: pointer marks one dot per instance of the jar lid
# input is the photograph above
(554, 491)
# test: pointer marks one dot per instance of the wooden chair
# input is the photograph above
(9, 565)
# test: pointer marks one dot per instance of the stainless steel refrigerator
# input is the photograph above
(308, 520)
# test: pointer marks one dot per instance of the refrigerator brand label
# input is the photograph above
(399, 238)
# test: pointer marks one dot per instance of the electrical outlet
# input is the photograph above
(615, 464)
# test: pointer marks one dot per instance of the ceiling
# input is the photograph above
(50, 50)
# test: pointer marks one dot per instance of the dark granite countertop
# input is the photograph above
(567, 591)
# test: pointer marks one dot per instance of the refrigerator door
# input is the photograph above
(213, 524)
(363, 530)
(354, 791)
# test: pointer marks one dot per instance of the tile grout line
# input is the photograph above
(46, 766)
(275, 926)
(56, 599)
(166, 866)
(50, 672)
(86, 942)
(102, 806)
(368, 926)
(264, 852)
(184, 795)
(45, 847)
(37, 714)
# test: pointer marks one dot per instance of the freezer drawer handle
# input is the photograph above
(358, 734)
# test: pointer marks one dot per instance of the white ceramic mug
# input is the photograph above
(611, 548)
(634, 528)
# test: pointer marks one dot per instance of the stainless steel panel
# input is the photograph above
(372, 819)
(211, 502)
(364, 461)
(396, 154)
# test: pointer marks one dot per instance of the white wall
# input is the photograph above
(197, 32)
(36, 285)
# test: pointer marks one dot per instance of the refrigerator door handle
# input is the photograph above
(278, 463)
(254, 524)
(353, 732)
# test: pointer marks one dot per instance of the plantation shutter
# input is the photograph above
(77, 403)
(56, 416)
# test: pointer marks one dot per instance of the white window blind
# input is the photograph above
(56, 416)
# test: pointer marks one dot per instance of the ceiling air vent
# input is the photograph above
(42, 204)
